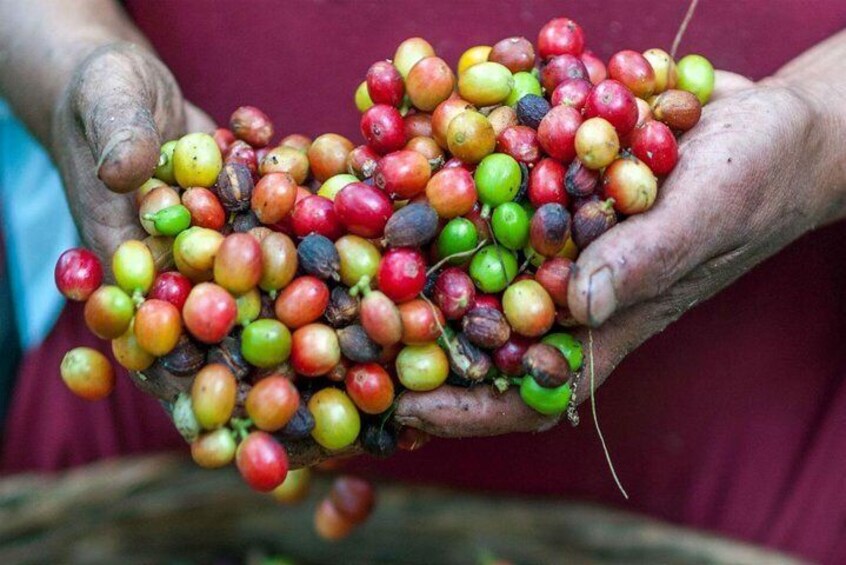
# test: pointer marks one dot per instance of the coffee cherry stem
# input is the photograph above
(361, 287)
(241, 427)
(496, 245)
(137, 298)
(458, 255)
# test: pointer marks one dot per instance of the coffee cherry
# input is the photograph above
(196, 160)
(597, 144)
(510, 224)
(358, 258)
(402, 174)
(589, 222)
(329, 523)
(362, 97)
(580, 181)
(294, 488)
(560, 36)
(205, 208)
(272, 402)
(550, 228)
(370, 387)
(451, 192)
(380, 318)
(314, 350)
(209, 312)
(531, 109)
(473, 56)
(213, 396)
(278, 261)
(87, 373)
(214, 450)
(402, 274)
(664, 67)
(503, 117)
(155, 200)
(508, 358)
(316, 215)
(265, 343)
(108, 312)
(157, 327)
(361, 162)
(409, 52)
(561, 68)
(470, 137)
(654, 144)
(336, 420)
(554, 276)
(327, 155)
(546, 183)
(498, 178)
(273, 196)
(237, 265)
(634, 71)
(242, 153)
(384, 84)
(528, 308)
(302, 302)
(133, 267)
(443, 116)
(413, 225)
(572, 92)
(493, 268)
(427, 147)
(420, 322)
(262, 461)
(363, 210)
(78, 274)
(614, 102)
(129, 354)
(595, 67)
(194, 252)
(353, 497)
(422, 368)
(252, 125)
(524, 84)
(631, 184)
(164, 168)
(318, 256)
(383, 129)
(521, 143)
(429, 82)
(679, 109)
(453, 293)
(485, 84)
(696, 75)
(557, 132)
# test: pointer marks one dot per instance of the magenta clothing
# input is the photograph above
(734, 419)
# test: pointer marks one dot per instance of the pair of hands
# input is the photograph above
(751, 178)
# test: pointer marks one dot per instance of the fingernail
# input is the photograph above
(601, 299)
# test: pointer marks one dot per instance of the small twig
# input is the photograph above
(596, 418)
(458, 255)
(683, 27)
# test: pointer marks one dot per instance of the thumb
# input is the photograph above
(121, 95)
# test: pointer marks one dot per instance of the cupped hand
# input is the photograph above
(119, 107)
(757, 172)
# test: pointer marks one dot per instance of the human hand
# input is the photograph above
(756, 173)
(119, 107)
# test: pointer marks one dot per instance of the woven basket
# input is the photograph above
(164, 509)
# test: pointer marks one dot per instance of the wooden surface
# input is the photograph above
(163, 509)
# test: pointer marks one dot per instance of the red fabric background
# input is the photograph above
(734, 419)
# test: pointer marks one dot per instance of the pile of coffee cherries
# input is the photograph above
(292, 289)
